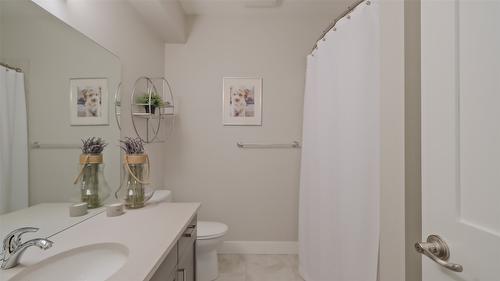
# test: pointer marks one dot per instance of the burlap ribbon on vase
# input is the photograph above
(88, 159)
(136, 159)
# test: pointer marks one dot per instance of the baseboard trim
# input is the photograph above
(260, 247)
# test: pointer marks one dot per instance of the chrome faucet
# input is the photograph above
(13, 248)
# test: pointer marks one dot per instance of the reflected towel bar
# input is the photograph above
(38, 145)
(294, 144)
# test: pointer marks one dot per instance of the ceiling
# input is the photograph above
(167, 18)
(278, 8)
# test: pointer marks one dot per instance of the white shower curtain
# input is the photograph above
(339, 184)
(13, 142)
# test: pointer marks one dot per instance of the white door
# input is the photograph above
(461, 137)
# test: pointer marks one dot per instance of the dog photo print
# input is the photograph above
(242, 101)
(89, 101)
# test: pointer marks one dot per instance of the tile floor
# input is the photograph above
(258, 268)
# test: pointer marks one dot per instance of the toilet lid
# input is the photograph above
(211, 229)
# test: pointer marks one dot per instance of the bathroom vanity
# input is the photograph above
(152, 243)
(179, 265)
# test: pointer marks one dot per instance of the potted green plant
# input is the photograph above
(150, 102)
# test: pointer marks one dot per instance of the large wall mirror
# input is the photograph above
(54, 59)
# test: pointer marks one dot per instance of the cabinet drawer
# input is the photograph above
(187, 240)
(185, 268)
(168, 268)
(173, 276)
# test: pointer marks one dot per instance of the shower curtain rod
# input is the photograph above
(332, 25)
(17, 69)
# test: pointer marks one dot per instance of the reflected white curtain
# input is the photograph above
(13, 142)
(340, 169)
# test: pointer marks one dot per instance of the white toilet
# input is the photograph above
(210, 237)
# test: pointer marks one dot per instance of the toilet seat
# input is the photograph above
(210, 230)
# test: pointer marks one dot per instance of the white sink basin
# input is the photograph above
(88, 263)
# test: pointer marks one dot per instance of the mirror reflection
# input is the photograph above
(57, 88)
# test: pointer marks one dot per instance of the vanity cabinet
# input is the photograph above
(179, 265)
(186, 254)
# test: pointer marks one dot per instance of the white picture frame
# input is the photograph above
(89, 101)
(242, 101)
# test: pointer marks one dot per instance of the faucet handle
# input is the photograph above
(13, 239)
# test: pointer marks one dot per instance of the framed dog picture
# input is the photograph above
(89, 101)
(242, 101)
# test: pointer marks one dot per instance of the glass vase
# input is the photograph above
(135, 189)
(135, 197)
(91, 183)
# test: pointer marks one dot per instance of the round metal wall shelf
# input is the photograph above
(118, 105)
(147, 118)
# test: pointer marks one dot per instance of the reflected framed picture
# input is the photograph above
(242, 101)
(89, 101)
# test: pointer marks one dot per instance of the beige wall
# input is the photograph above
(401, 178)
(392, 197)
(116, 26)
(2, 40)
(413, 201)
(50, 54)
(255, 192)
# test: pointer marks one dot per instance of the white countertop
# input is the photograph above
(50, 218)
(149, 233)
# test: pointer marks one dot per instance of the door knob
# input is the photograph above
(437, 250)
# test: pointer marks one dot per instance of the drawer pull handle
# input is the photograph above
(189, 231)
(183, 273)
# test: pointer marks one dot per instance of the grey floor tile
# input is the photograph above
(258, 268)
(231, 264)
(231, 277)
